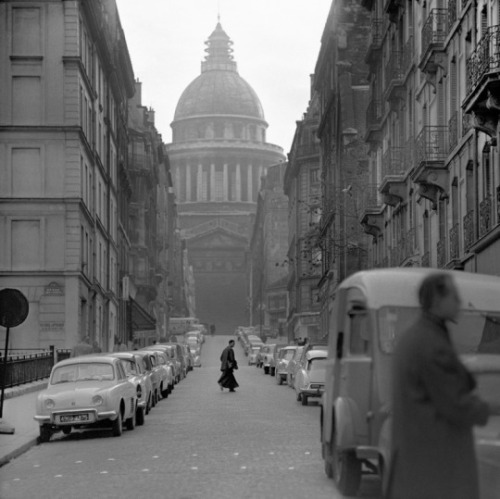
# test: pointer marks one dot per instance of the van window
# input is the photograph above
(358, 344)
(475, 331)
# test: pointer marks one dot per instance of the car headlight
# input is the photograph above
(49, 404)
(97, 400)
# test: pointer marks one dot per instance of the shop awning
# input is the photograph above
(139, 317)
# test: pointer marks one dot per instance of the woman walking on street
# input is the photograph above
(228, 365)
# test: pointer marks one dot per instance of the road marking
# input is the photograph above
(36, 466)
(194, 468)
(104, 472)
(195, 455)
(271, 453)
(78, 462)
(291, 468)
(156, 457)
(243, 468)
(111, 459)
(236, 454)
(307, 453)
(145, 470)
(16, 480)
(57, 476)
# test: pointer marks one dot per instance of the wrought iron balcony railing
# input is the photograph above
(374, 113)
(485, 218)
(394, 72)
(452, 12)
(485, 58)
(469, 230)
(393, 161)
(441, 253)
(455, 242)
(431, 144)
(435, 30)
(410, 242)
(453, 131)
(408, 54)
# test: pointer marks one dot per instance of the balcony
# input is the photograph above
(393, 187)
(452, 13)
(483, 82)
(431, 150)
(453, 131)
(441, 253)
(375, 42)
(434, 33)
(485, 216)
(374, 113)
(372, 216)
(455, 242)
(469, 230)
(394, 77)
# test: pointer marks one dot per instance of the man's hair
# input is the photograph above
(434, 285)
(231, 341)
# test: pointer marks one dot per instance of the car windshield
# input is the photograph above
(474, 332)
(71, 373)
(255, 349)
(129, 366)
(317, 364)
(288, 355)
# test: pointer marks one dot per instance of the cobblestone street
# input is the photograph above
(199, 443)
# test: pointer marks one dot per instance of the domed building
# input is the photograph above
(218, 155)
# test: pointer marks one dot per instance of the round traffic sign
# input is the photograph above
(14, 307)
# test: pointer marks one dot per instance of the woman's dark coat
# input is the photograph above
(434, 410)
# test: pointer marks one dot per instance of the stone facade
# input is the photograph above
(218, 156)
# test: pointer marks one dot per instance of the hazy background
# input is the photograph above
(276, 44)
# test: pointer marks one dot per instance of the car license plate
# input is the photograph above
(75, 418)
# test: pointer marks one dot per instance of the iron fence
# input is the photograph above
(394, 71)
(455, 242)
(393, 161)
(441, 253)
(435, 29)
(452, 13)
(485, 219)
(484, 59)
(374, 113)
(453, 131)
(431, 144)
(469, 230)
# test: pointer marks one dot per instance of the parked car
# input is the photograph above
(198, 335)
(266, 357)
(166, 367)
(371, 309)
(175, 352)
(148, 363)
(188, 358)
(195, 353)
(283, 357)
(253, 341)
(310, 377)
(253, 354)
(137, 375)
(86, 392)
(293, 366)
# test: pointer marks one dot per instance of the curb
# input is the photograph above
(17, 452)
(17, 391)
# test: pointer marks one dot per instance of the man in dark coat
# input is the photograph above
(434, 405)
(228, 365)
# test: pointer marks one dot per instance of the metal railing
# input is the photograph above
(453, 131)
(393, 161)
(452, 13)
(441, 253)
(455, 242)
(376, 33)
(431, 144)
(485, 218)
(435, 29)
(484, 59)
(408, 54)
(469, 230)
(394, 71)
(374, 113)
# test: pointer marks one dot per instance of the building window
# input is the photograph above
(25, 245)
(219, 186)
(26, 31)
(27, 178)
(26, 100)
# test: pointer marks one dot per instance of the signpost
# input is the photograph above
(14, 309)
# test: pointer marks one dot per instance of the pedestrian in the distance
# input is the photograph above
(228, 365)
(434, 405)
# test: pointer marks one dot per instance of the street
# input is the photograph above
(199, 443)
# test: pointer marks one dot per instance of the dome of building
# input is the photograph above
(219, 90)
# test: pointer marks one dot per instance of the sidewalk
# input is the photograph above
(18, 411)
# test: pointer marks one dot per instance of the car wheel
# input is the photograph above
(273, 371)
(304, 399)
(130, 423)
(117, 427)
(66, 430)
(45, 433)
(346, 471)
(328, 459)
(148, 405)
(164, 393)
(139, 417)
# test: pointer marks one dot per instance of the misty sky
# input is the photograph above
(276, 44)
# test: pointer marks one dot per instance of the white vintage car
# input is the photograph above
(86, 392)
(309, 380)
